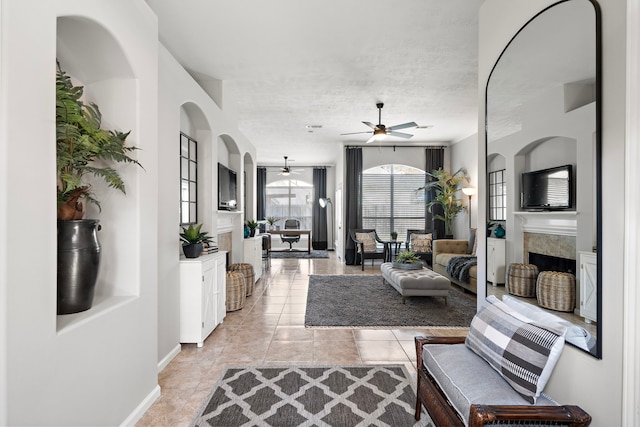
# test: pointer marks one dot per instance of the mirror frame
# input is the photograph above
(597, 350)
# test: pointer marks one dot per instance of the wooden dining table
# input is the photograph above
(293, 232)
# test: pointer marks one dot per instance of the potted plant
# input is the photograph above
(446, 187)
(271, 220)
(408, 260)
(394, 235)
(193, 240)
(83, 149)
(252, 227)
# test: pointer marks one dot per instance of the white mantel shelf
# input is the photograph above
(562, 223)
(225, 221)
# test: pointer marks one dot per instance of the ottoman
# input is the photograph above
(236, 291)
(556, 290)
(423, 282)
(249, 276)
(521, 280)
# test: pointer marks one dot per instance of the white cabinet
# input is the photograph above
(202, 296)
(588, 286)
(253, 254)
(496, 260)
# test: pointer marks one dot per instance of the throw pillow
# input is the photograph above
(368, 240)
(524, 352)
(421, 242)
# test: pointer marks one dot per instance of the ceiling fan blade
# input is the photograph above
(400, 134)
(373, 138)
(403, 126)
(354, 133)
(371, 125)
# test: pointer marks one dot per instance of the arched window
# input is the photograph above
(290, 198)
(390, 200)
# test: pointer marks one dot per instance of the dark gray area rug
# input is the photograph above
(299, 255)
(365, 301)
(303, 396)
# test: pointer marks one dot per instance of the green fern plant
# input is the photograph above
(80, 142)
(407, 257)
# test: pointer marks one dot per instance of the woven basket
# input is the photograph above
(556, 290)
(249, 276)
(521, 280)
(236, 291)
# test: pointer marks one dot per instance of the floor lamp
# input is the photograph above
(324, 202)
(469, 191)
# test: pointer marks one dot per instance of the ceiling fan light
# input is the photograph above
(379, 134)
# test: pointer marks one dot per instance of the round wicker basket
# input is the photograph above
(521, 280)
(249, 275)
(236, 291)
(556, 290)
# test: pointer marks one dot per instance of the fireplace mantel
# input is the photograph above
(560, 223)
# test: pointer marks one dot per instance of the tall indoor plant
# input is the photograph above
(446, 186)
(80, 142)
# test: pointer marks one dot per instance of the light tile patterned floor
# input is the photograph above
(270, 330)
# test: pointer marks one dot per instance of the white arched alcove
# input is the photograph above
(249, 179)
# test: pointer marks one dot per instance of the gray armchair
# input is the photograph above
(291, 224)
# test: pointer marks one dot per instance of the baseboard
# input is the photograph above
(146, 403)
(169, 357)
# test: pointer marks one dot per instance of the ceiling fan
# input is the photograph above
(286, 170)
(380, 131)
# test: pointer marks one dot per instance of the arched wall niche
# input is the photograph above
(194, 123)
(90, 54)
(249, 177)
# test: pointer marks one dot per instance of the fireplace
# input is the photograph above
(552, 263)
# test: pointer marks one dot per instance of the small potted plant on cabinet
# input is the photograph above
(252, 227)
(193, 240)
(271, 220)
(83, 149)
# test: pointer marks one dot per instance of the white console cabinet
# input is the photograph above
(588, 286)
(202, 296)
(253, 254)
(496, 259)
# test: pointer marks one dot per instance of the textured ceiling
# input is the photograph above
(293, 63)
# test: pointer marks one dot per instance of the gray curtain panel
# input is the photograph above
(353, 200)
(261, 205)
(319, 214)
(434, 159)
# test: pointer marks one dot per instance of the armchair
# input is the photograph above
(366, 241)
(421, 242)
(291, 224)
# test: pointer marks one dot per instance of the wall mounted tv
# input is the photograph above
(547, 189)
(227, 199)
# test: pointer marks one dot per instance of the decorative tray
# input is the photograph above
(408, 266)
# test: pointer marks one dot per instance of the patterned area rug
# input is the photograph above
(365, 301)
(312, 396)
(300, 255)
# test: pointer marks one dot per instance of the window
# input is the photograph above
(497, 196)
(290, 198)
(188, 180)
(390, 201)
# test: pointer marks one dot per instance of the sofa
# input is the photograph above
(496, 375)
(445, 250)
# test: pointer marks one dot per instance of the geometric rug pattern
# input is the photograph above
(312, 396)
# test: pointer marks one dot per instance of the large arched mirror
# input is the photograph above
(543, 169)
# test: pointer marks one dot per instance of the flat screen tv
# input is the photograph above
(547, 189)
(227, 199)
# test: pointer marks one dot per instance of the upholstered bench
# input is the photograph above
(423, 282)
(481, 379)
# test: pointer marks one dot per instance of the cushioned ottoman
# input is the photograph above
(423, 282)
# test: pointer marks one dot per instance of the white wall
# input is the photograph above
(96, 367)
(210, 126)
(464, 154)
(595, 385)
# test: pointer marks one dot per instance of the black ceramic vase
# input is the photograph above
(78, 264)
(193, 250)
